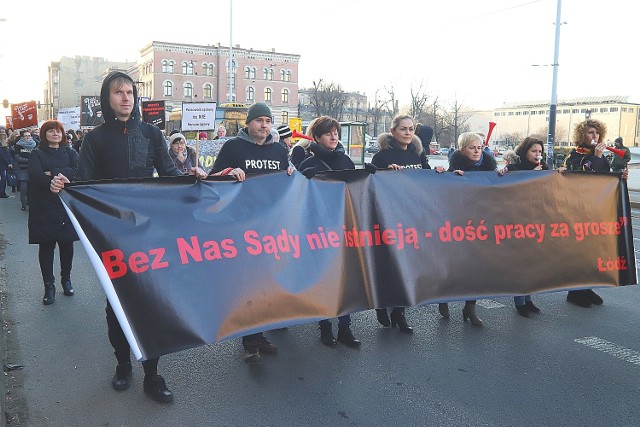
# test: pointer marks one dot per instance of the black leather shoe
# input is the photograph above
(397, 318)
(346, 337)
(49, 294)
(443, 308)
(122, 378)
(155, 388)
(383, 317)
(67, 288)
(523, 310)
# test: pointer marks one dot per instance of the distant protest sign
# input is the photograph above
(70, 118)
(153, 113)
(91, 112)
(24, 115)
(198, 116)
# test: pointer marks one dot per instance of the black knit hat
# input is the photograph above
(284, 131)
(259, 109)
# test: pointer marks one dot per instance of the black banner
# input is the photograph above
(189, 263)
(153, 112)
(90, 112)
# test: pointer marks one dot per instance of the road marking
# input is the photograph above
(615, 350)
(489, 303)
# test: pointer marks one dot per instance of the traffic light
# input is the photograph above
(5, 103)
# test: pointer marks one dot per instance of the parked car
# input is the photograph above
(372, 149)
(444, 151)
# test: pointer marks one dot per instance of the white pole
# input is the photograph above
(230, 69)
(552, 107)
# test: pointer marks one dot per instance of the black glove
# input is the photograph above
(309, 172)
(370, 167)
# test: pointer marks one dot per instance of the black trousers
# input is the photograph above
(46, 253)
(120, 345)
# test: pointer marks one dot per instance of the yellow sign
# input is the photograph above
(295, 123)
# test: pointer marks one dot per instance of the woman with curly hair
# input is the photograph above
(587, 156)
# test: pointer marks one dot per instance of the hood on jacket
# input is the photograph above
(243, 134)
(105, 105)
(387, 141)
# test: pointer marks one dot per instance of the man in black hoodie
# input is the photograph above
(124, 147)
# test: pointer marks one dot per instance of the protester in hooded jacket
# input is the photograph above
(300, 150)
(469, 157)
(21, 153)
(587, 156)
(48, 221)
(400, 149)
(325, 156)
(527, 156)
(253, 151)
(124, 147)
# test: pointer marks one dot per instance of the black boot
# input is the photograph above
(383, 317)
(346, 337)
(67, 287)
(122, 378)
(579, 298)
(523, 310)
(443, 308)
(155, 388)
(531, 307)
(326, 334)
(397, 318)
(49, 293)
(469, 313)
(593, 297)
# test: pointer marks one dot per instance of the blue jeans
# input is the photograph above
(522, 300)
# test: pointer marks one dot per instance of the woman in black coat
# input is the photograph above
(469, 157)
(528, 156)
(48, 220)
(328, 155)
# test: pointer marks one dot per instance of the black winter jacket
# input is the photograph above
(458, 161)
(48, 221)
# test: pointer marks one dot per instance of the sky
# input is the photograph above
(481, 53)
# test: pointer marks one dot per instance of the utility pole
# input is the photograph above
(554, 101)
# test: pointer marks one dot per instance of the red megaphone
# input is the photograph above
(617, 151)
(491, 126)
(297, 134)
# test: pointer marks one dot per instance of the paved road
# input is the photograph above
(567, 366)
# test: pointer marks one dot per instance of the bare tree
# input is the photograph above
(456, 118)
(512, 139)
(328, 99)
(419, 99)
(392, 102)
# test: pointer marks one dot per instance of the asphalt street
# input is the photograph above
(567, 366)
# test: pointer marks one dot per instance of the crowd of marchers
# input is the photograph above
(37, 163)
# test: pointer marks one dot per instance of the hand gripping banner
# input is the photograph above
(189, 263)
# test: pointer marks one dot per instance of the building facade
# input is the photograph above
(71, 78)
(616, 112)
(178, 73)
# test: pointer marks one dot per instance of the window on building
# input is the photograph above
(511, 113)
(265, 73)
(270, 74)
(566, 111)
(583, 110)
(285, 117)
(603, 110)
(613, 109)
(165, 66)
(533, 113)
(287, 77)
(188, 90)
(518, 113)
(267, 94)
(247, 72)
(282, 74)
(171, 64)
(541, 112)
(285, 96)
(168, 88)
(251, 94)
(525, 113)
(187, 68)
(575, 111)
(207, 69)
(253, 73)
(208, 90)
